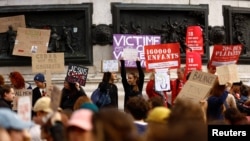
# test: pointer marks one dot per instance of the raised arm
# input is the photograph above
(141, 75)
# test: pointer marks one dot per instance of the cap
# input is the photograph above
(39, 77)
(159, 114)
(10, 120)
(43, 104)
(90, 106)
(82, 119)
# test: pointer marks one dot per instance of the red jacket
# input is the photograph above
(150, 91)
(175, 88)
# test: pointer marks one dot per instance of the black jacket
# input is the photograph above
(129, 88)
(36, 94)
(5, 104)
(113, 93)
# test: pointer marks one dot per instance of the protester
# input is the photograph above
(90, 106)
(108, 84)
(138, 107)
(7, 95)
(2, 80)
(79, 127)
(132, 83)
(70, 93)
(177, 84)
(234, 117)
(80, 101)
(18, 82)
(16, 127)
(40, 89)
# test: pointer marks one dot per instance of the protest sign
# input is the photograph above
(24, 107)
(225, 54)
(30, 41)
(77, 73)
(198, 86)
(110, 66)
(48, 61)
(122, 41)
(56, 95)
(194, 39)
(162, 80)
(14, 21)
(162, 56)
(227, 73)
(130, 54)
(19, 93)
(193, 62)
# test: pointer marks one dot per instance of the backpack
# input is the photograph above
(99, 98)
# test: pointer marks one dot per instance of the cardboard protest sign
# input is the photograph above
(30, 41)
(77, 73)
(122, 41)
(193, 62)
(198, 86)
(14, 21)
(194, 39)
(24, 107)
(55, 97)
(20, 93)
(162, 80)
(130, 54)
(48, 61)
(227, 73)
(162, 56)
(110, 66)
(225, 54)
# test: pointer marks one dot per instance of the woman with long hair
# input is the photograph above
(132, 83)
(108, 84)
(17, 81)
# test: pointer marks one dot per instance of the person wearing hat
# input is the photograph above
(79, 126)
(39, 90)
(16, 127)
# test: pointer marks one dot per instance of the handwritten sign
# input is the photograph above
(14, 21)
(130, 54)
(48, 61)
(162, 80)
(30, 41)
(225, 54)
(198, 86)
(24, 108)
(227, 73)
(20, 93)
(162, 56)
(122, 41)
(55, 98)
(110, 65)
(77, 73)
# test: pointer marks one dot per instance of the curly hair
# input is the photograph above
(17, 80)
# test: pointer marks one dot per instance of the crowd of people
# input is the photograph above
(156, 118)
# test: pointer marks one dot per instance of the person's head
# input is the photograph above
(2, 80)
(132, 78)
(17, 80)
(80, 101)
(110, 124)
(14, 124)
(42, 107)
(109, 77)
(40, 80)
(79, 126)
(138, 107)
(156, 101)
(211, 69)
(7, 92)
(68, 85)
(90, 106)
(234, 117)
(217, 89)
(180, 73)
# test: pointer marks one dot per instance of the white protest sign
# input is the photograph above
(130, 54)
(227, 73)
(162, 80)
(20, 93)
(110, 66)
(24, 107)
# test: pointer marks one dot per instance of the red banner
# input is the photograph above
(193, 62)
(194, 39)
(225, 54)
(162, 56)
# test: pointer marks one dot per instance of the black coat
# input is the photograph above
(113, 93)
(5, 104)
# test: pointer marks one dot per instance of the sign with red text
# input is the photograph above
(193, 62)
(77, 73)
(48, 61)
(197, 87)
(122, 41)
(162, 56)
(194, 39)
(30, 41)
(227, 73)
(20, 93)
(225, 54)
